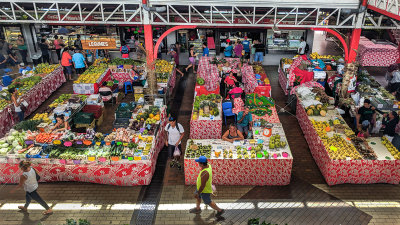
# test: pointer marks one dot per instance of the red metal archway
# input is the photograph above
(336, 34)
(168, 32)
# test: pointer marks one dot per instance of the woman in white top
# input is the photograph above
(28, 180)
(17, 104)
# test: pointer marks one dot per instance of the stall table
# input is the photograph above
(121, 173)
(371, 54)
(206, 128)
(283, 82)
(91, 88)
(259, 171)
(348, 171)
(35, 97)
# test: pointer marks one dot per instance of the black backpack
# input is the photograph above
(177, 127)
(307, 48)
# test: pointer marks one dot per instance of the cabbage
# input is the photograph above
(15, 133)
(5, 145)
(3, 150)
(19, 147)
(15, 143)
(2, 142)
(10, 139)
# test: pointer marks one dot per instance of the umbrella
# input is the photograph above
(63, 30)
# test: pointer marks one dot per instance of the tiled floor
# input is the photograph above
(307, 200)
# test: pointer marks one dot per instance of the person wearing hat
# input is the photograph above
(390, 122)
(204, 188)
(175, 134)
(365, 115)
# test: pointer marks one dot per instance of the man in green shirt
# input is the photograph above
(245, 121)
(204, 188)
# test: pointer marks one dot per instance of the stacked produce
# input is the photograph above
(315, 55)
(119, 61)
(43, 117)
(92, 74)
(393, 150)
(206, 106)
(14, 143)
(194, 151)
(26, 125)
(340, 149)
(25, 84)
(363, 148)
(45, 68)
(163, 70)
(259, 105)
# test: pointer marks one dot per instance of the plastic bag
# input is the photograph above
(214, 190)
(356, 97)
(177, 153)
(377, 127)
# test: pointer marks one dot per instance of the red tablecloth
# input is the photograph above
(123, 76)
(274, 118)
(243, 171)
(371, 54)
(283, 81)
(89, 89)
(249, 80)
(114, 173)
(35, 97)
(201, 90)
(206, 129)
(346, 171)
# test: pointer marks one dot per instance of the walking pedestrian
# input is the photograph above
(246, 48)
(228, 50)
(204, 188)
(12, 57)
(78, 42)
(22, 49)
(175, 55)
(79, 62)
(124, 49)
(57, 45)
(17, 101)
(29, 179)
(192, 59)
(206, 50)
(66, 62)
(259, 56)
(238, 50)
(253, 51)
(44, 48)
(175, 134)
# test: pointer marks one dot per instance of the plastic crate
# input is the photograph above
(121, 123)
(91, 125)
(97, 110)
(83, 118)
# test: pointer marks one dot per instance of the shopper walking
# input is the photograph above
(259, 53)
(22, 49)
(253, 51)
(79, 62)
(175, 55)
(204, 188)
(17, 102)
(192, 59)
(246, 48)
(29, 179)
(78, 42)
(44, 48)
(57, 45)
(66, 62)
(175, 134)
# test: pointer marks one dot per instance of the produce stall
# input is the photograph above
(376, 54)
(206, 119)
(341, 156)
(125, 157)
(90, 81)
(166, 76)
(34, 93)
(124, 70)
(264, 160)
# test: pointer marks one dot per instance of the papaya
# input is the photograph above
(322, 113)
(310, 112)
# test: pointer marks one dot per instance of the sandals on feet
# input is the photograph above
(48, 212)
(22, 208)
(195, 211)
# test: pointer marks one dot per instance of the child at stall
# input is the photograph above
(364, 132)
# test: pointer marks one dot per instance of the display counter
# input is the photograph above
(344, 158)
(34, 97)
(206, 119)
(259, 161)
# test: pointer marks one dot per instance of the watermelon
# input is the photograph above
(200, 81)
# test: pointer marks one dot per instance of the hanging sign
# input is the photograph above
(99, 44)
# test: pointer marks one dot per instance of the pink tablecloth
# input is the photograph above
(205, 129)
(346, 171)
(243, 171)
(371, 54)
(273, 118)
(283, 81)
(249, 80)
(123, 76)
(35, 97)
(109, 172)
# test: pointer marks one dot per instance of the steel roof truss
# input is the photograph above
(266, 14)
(309, 14)
(287, 14)
(234, 7)
(327, 17)
(69, 11)
(197, 11)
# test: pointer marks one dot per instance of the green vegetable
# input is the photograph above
(27, 125)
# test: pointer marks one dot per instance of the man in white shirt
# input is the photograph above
(175, 134)
(302, 47)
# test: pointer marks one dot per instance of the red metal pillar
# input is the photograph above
(355, 40)
(168, 32)
(148, 41)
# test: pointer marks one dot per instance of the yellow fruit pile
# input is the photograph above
(315, 55)
(3, 103)
(92, 74)
(163, 66)
(340, 149)
(287, 61)
(393, 150)
(45, 68)
(321, 127)
(42, 116)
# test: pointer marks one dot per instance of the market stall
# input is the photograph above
(125, 157)
(264, 160)
(34, 96)
(206, 119)
(90, 81)
(341, 156)
(376, 53)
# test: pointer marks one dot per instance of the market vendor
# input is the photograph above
(390, 122)
(245, 121)
(366, 115)
(61, 124)
(393, 77)
(232, 134)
